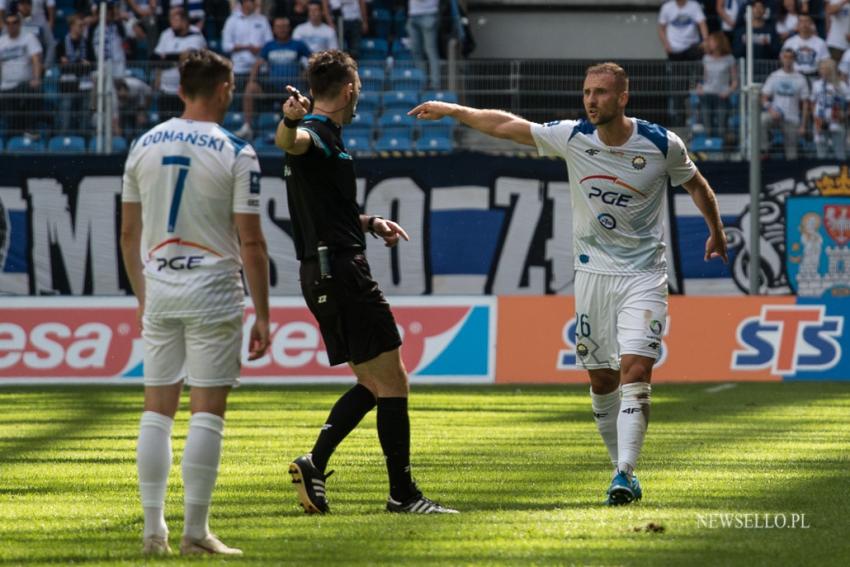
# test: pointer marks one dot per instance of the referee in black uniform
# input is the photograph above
(353, 315)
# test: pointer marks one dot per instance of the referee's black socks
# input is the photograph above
(394, 434)
(347, 412)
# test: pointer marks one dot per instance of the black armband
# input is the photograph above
(290, 123)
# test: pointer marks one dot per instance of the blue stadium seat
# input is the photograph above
(373, 49)
(400, 52)
(396, 124)
(434, 144)
(267, 122)
(372, 78)
(442, 96)
(23, 144)
(119, 145)
(358, 143)
(264, 146)
(369, 101)
(410, 79)
(442, 128)
(400, 101)
(233, 121)
(706, 144)
(66, 144)
(390, 143)
(361, 124)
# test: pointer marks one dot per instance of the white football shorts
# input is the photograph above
(205, 353)
(617, 315)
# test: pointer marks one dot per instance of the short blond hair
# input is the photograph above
(620, 76)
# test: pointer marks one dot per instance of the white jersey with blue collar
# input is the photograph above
(617, 193)
(190, 178)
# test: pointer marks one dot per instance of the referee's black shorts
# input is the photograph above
(354, 317)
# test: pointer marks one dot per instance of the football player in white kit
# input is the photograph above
(618, 170)
(190, 223)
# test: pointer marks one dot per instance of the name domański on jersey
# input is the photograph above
(200, 140)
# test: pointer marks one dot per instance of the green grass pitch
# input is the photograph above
(524, 465)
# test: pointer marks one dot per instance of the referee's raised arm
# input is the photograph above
(288, 137)
(496, 123)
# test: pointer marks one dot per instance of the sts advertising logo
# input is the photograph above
(800, 341)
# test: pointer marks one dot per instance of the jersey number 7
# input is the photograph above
(183, 163)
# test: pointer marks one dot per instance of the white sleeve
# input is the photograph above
(200, 42)
(267, 34)
(680, 168)
(844, 65)
(33, 45)
(227, 40)
(299, 32)
(823, 52)
(767, 88)
(699, 15)
(130, 187)
(663, 16)
(334, 43)
(246, 181)
(160, 45)
(551, 138)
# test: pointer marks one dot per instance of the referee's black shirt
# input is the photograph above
(321, 189)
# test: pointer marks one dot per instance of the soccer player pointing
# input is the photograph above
(618, 170)
(354, 317)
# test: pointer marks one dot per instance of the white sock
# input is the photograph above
(153, 459)
(632, 423)
(606, 409)
(200, 469)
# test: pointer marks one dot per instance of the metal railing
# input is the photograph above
(540, 90)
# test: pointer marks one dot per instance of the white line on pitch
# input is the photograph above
(720, 388)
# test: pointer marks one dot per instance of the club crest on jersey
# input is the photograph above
(655, 326)
(591, 152)
(638, 162)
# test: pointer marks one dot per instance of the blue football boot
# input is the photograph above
(624, 490)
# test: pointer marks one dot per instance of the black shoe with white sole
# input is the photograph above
(418, 505)
(310, 484)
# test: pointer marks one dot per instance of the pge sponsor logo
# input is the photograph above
(567, 356)
(788, 339)
(178, 263)
(438, 341)
(81, 343)
(614, 198)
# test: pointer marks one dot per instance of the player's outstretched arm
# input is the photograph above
(131, 242)
(496, 123)
(706, 201)
(288, 137)
(255, 262)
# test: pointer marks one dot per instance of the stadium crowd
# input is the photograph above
(49, 54)
(804, 100)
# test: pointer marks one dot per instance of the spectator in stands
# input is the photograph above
(284, 58)
(829, 110)
(839, 27)
(423, 24)
(114, 41)
(179, 38)
(318, 35)
(144, 12)
(682, 29)
(786, 22)
(808, 48)
(195, 10)
(75, 64)
(785, 97)
(355, 22)
(728, 11)
(298, 11)
(720, 80)
(21, 71)
(38, 25)
(765, 38)
(245, 33)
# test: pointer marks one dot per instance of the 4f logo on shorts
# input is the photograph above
(322, 299)
(788, 339)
